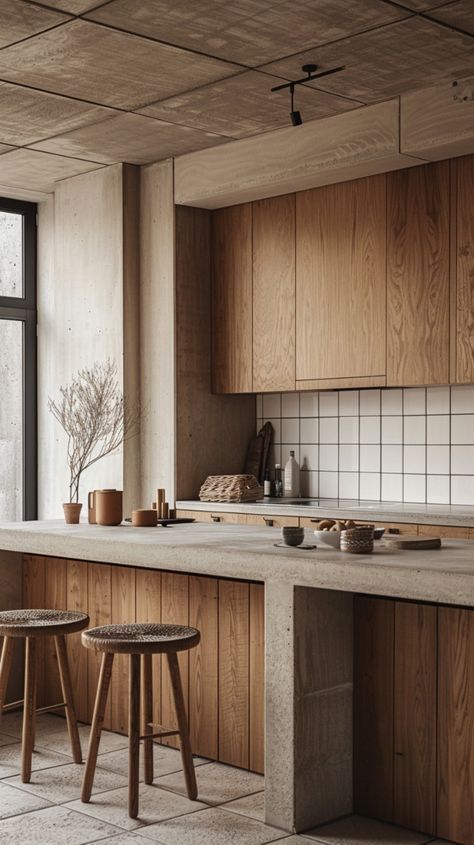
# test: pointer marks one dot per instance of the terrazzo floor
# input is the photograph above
(230, 810)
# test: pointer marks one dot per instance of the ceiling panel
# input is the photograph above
(75, 7)
(101, 65)
(459, 14)
(131, 138)
(244, 105)
(39, 171)
(420, 5)
(5, 147)
(247, 31)
(404, 56)
(27, 115)
(21, 20)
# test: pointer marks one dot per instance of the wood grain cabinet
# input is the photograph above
(462, 270)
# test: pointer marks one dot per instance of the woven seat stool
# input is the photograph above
(140, 641)
(30, 625)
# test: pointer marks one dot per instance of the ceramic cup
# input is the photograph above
(108, 506)
(292, 535)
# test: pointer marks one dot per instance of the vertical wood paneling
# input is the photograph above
(174, 609)
(418, 275)
(415, 716)
(373, 706)
(34, 596)
(257, 678)
(234, 673)
(55, 594)
(77, 599)
(203, 667)
(456, 725)
(123, 610)
(463, 266)
(232, 299)
(99, 602)
(274, 294)
(148, 609)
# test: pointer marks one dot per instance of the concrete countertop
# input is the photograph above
(454, 515)
(246, 552)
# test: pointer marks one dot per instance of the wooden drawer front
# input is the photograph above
(453, 531)
(211, 516)
(271, 521)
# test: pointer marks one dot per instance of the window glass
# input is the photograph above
(11, 250)
(11, 420)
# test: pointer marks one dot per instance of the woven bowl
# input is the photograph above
(358, 541)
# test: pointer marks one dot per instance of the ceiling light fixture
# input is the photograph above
(310, 71)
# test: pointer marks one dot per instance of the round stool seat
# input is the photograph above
(141, 638)
(37, 623)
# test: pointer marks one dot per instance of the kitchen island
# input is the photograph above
(337, 630)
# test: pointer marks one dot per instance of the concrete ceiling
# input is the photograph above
(85, 83)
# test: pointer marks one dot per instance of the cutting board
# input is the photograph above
(408, 541)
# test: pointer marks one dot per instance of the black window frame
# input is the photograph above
(23, 309)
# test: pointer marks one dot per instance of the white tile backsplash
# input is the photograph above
(377, 444)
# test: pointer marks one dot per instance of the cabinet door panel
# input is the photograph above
(340, 280)
(55, 590)
(174, 611)
(463, 268)
(234, 673)
(123, 611)
(274, 294)
(418, 275)
(257, 677)
(99, 588)
(148, 609)
(232, 299)
(203, 667)
(77, 599)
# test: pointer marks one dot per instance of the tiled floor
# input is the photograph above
(230, 811)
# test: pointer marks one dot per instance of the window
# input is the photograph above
(17, 360)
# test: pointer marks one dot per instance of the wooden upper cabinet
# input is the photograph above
(462, 266)
(418, 275)
(274, 294)
(341, 283)
(232, 299)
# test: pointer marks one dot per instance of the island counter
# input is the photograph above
(347, 639)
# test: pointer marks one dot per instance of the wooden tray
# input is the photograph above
(408, 541)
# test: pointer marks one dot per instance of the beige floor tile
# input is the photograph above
(357, 830)
(217, 783)
(58, 740)
(7, 740)
(10, 760)
(212, 827)
(155, 805)
(63, 784)
(11, 723)
(166, 760)
(252, 806)
(13, 802)
(125, 839)
(53, 826)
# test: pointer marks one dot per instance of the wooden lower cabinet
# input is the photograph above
(414, 716)
(223, 678)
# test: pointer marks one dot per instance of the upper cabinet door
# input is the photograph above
(341, 284)
(274, 294)
(418, 275)
(232, 299)
(463, 270)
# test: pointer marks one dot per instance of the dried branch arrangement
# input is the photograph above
(93, 413)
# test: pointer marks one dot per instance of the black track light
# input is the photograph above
(310, 71)
(296, 118)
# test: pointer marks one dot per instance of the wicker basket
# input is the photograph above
(358, 541)
(230, 488)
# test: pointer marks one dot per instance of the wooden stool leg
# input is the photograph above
(5, 666)
(186, 753)
(97, 724)
(29, 709)
(147, 709)
(133, 735)
(66, 686)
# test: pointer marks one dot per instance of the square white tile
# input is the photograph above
(437, 400)
(309, 404)
(414, 430)
(392, 458)
(462, 429)
(290, 431)
(392, 487)
(437, 489)
(462, 460)
(309, 484)
(348, 485)
(370, 458)
(462, 399)
(309, 457)
(414, 459)
(414, 400)
(370, 429)
(392, 401)
(328, 485)
(437, 460)
(348, 403)
(258, 424)
(328, 403)
(370, 486)
(309, 430)
(328, 429)
(349, 430)
(437, 429)
(462, 490)
(392, 430)
(328, 458)
(276, 423)
(259, 405)
(290, 405)
(369, 403)
(271, 405)
(349, 458)
(414, 488)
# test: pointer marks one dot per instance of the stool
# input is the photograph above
(30, 625)
(140, 640)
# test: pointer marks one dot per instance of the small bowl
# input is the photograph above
(378, 533)
(292, 535)
(330, 538)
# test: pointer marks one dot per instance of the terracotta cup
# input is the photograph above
(91, 504)
(108, 507)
